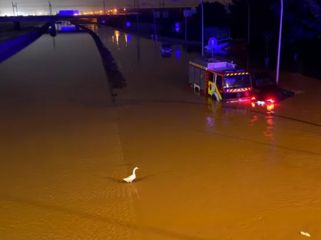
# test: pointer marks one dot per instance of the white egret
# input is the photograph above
(132, 177)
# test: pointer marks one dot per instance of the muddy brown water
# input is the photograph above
(207, 170)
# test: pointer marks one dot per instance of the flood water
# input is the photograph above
(206, 170)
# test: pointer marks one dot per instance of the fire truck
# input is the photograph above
(221, 80)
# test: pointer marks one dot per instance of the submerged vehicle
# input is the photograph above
(220, 79)
(266, 93)
(166, 49)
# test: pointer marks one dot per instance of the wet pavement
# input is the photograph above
(207, 170)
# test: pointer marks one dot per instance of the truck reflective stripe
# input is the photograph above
(218, 94)
(211, 89)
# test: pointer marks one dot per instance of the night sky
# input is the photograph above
(41, 6)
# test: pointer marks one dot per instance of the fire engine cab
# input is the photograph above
(219, 79)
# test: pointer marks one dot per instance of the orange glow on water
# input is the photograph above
(117, 35)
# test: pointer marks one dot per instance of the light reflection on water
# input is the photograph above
(269, 126)
(121, 39)
(116, 36)
(253, 120)
(178, 52)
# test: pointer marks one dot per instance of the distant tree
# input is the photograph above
(238, 17)
(258, 12)
(301, 34)
(302, 18)
(315, 8)
(215, 15)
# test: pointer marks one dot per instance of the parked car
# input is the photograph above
(166, 49)
(266, 92)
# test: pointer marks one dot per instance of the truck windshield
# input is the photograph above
(237, 81)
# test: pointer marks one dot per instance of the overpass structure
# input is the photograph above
(55, 18)
(17, 20)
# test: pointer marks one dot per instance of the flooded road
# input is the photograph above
(206, 170)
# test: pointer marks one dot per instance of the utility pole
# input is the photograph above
(14, 8)
(185, 28)
(137, 6)
(104, 6)
(161, 3)
(187, 13)
(248, 22)
(280, 43)
(50, 8)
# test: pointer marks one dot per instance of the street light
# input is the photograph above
(280, 38)
(104, 6)
(279, 47)
(202, 11)
(248, 22)
(50, 8)
(14, 8)
(136, 7)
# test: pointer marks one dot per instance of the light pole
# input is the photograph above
(104, 7)
(280, 43)
(14, 8)
(161, 3)
(248, 22)
(202, 21)
(50, 8)
(137, 6)
(185, 32)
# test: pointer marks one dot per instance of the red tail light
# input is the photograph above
(270, 107)
(270, 100)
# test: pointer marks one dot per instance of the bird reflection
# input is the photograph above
(129, 191)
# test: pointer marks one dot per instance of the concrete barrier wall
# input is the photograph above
(12, 46)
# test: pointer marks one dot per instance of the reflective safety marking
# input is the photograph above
(211, 88)
(237, 74)
(236, 90)
(218, 95)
